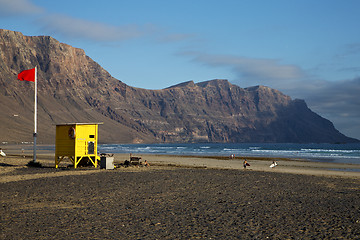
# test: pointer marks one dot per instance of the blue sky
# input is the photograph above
(307, 49)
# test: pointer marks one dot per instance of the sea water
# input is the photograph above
(337, 153)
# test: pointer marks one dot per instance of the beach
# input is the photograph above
(179, 197)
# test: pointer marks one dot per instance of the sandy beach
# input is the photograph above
(179, 197)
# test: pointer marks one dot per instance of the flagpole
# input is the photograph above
(35, 115)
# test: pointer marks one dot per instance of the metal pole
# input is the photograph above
(35, 115)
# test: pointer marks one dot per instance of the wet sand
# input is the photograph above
(179, 198)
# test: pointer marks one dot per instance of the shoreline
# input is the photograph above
(15, 149)
(17, 159)
(285, 165)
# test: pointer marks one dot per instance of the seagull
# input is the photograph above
(2, 153)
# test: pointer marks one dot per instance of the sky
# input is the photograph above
(306, 49)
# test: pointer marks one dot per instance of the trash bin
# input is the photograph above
(107, 162)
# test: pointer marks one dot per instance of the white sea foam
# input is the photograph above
(349, 153)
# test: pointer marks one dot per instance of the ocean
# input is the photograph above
(336, 153)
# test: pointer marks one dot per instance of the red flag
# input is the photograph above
(27, 75)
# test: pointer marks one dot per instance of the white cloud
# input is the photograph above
(18, 7)
(72, 27)
(254, 68)
(79, 28)
(249, 70)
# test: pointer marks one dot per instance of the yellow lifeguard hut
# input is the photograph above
(78, 142)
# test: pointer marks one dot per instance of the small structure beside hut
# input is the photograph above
(77, 142)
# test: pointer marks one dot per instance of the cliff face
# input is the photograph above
(71, 87)
(74, 88)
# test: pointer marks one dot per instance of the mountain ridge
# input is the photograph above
(74, 88)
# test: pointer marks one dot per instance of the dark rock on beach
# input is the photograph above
(179, 203)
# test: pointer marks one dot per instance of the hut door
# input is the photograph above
(91, 148)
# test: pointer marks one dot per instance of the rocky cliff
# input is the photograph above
(74, 88)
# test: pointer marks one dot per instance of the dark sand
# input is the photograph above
(167, 202)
